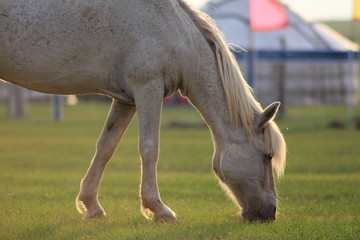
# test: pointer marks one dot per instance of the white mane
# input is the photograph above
(242, 105)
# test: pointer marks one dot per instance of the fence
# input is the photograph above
(303, 77)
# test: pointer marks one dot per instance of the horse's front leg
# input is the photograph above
(149, 104)
(117, 121)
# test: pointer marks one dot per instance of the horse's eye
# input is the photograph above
(268, 157)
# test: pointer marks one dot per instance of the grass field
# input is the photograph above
(42, 162)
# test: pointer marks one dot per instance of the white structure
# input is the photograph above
(320, 64)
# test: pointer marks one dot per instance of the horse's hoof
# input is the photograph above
(167, 215)
(95, 214)
(169, 218)
(89, 212)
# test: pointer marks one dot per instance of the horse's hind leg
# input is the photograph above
(117, 121)
(148, 105)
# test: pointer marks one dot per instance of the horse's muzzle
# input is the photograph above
(265, 215)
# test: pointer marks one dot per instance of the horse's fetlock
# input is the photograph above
(151, 204)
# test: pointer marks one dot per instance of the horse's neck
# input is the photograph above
(207, 94)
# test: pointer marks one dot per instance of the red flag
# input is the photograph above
(267, 15)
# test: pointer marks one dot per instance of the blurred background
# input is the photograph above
(302, 53)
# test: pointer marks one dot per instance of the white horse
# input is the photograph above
(139, 52)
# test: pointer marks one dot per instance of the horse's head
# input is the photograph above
(247, 170)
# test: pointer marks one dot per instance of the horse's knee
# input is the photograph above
(106, 142)
(149, 150)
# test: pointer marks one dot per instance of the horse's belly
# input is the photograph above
(49, 72)
(54, 83)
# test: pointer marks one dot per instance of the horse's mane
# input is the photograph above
(242, 105)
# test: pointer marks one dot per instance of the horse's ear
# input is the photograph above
(268, 114)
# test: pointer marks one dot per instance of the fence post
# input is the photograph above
(282, 78)
(57, 103)
(16, 102)
(349, 93)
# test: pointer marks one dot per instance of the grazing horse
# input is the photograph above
(138, 52)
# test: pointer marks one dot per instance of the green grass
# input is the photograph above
(42, 162)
